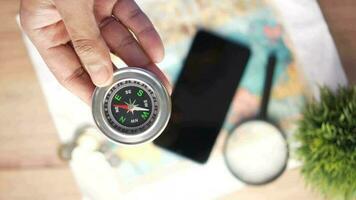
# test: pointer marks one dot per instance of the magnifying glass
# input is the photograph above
(256, 150)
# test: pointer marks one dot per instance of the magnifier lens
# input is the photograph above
(256, 152)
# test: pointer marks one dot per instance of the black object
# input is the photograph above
(262, 116)
(202, 95)
(267, 86)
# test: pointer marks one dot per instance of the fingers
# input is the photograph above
(42, 13)
(103, 9)
(123, 44)
(50, 38)
(88, 46)
(65, 66)
(87, 42)
(128, 12)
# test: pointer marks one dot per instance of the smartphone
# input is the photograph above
(202, 95)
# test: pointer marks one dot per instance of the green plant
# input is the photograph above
(327, 136)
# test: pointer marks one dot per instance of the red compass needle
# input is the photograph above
(123, 106)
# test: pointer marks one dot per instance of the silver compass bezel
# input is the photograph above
(164, 109)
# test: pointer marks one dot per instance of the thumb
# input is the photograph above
(79, 19)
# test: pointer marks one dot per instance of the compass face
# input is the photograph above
(134, 109)
(130, 106)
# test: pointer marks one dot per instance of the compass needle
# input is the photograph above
(136, 108)
(124, 110)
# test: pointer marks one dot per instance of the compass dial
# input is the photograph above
(131, 106)
(134, 109)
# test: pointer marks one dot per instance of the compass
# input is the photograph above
(134, 109)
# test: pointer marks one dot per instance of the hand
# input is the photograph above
(75, 38)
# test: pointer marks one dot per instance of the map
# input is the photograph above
(251, 22)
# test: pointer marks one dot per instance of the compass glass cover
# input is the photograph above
(130, 107)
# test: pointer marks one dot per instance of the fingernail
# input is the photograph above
(158, 57)
(100, 75)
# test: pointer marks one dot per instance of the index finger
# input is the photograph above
(87, 41)
(128, 12)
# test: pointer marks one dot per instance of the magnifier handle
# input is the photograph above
(268, 85)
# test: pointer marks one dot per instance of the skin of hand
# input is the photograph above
(75, 38)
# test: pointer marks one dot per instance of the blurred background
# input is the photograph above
(49, 148)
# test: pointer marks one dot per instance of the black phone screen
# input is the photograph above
(202, 95)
